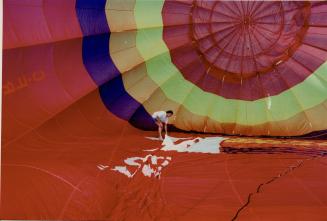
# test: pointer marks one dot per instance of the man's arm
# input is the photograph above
(166, 128)
(159, 121)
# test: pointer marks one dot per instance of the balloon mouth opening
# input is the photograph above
(239, 41)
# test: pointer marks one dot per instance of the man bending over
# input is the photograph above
(161, 119)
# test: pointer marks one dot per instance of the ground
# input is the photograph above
(52, 172)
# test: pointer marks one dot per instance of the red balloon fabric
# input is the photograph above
(72, 147)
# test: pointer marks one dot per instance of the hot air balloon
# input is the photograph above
(249, 68)
(81, 79)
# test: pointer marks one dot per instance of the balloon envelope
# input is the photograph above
(81, 77)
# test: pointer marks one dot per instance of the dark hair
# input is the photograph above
(170, 112)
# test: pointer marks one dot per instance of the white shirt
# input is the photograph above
(161, 115)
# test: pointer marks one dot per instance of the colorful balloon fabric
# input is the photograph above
(78, 73)
(245, 67)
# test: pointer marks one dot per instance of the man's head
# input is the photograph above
(169, 113)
